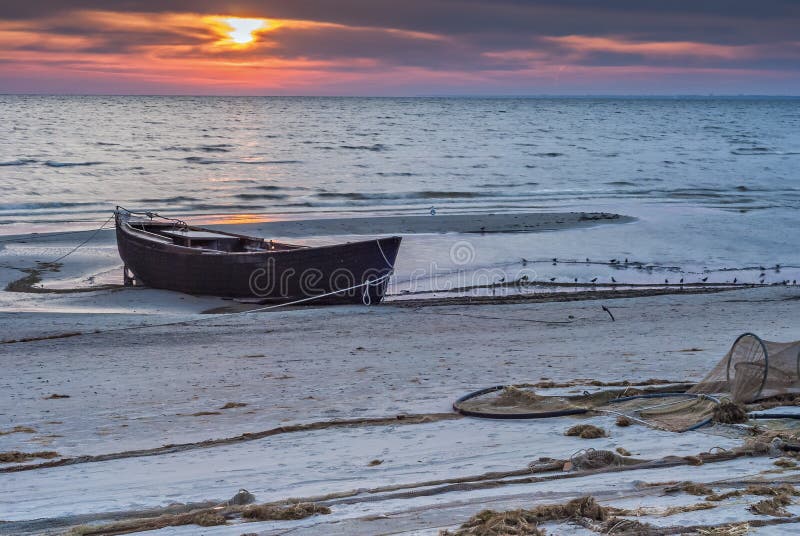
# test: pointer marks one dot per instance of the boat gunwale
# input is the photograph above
(129, 230)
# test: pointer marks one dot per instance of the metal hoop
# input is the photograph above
(766, 361)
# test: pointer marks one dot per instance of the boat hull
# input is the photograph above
(271, 276)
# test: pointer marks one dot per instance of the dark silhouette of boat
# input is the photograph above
(165, 253)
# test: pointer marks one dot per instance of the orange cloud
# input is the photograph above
(582, 43)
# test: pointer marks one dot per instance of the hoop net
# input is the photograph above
(754, 369)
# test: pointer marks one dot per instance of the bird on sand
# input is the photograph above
(593, 280)
(433, 211)
(704, 279)
(613, 280)
(681, 281)
(734, 280)
(552, 279)
(666, 281)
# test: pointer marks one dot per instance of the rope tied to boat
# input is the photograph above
(76, 248)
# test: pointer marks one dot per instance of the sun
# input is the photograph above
(242, 31)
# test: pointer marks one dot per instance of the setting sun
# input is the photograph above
(242, 31)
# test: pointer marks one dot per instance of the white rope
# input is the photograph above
(366, 285)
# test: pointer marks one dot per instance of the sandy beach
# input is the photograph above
(349, 407)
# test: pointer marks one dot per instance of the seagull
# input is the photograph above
(681, 281)
(576, 279)
(609, 312)
(552, 279)
(734, 280)
(613, 261)
(593, 280)
(613, 280)
(587, 259)
(555, 260)
(626, 260)
(761, 282)
(704, 279)
(433, 211)
(666, 281)
(524, 261)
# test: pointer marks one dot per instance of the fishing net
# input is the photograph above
(674, 412)
(665, 407)
(754, 369)
(522, 402)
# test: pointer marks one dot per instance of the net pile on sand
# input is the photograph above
(754, 369)
(675, 413)
(657, 407)
(522, 402)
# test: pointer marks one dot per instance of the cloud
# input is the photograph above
(446, 45)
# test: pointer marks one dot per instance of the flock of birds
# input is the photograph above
(616, 262)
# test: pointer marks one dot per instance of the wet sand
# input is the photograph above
(248, 374)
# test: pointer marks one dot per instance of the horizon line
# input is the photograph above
(423, 96)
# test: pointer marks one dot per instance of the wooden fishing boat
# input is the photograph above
(168, 254)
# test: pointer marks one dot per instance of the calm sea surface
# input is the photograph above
(711, 180)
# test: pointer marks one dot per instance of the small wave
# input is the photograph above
(549, 155)
(53, 163)
(759, 151)
(216, 148)
(426, 194)
(374, 147)
(206, 161)
(620, 183)
(269, 162)
(508, 184)
(267, 187)
(107, 144)
(261, 196)
(38, 206)
(176, 199)
(396, 174)
(18, 162)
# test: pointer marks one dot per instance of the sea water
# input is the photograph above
(712, 181)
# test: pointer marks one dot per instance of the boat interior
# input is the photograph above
(204, 239)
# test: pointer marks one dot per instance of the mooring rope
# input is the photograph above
(76, 248)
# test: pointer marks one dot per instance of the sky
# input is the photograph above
(400, 47)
